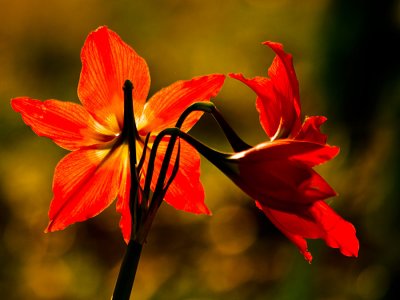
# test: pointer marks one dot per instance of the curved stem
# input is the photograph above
(211, 154)
(234, 140)
(221, 160)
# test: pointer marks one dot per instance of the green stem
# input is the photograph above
(130, 133)
(236, 142)
(126, 276)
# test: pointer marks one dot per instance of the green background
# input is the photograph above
(346, 59)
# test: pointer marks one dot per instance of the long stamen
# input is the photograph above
(143, 158)
(158, 195)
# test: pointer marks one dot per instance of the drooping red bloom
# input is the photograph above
(87, 180)
(279, 174)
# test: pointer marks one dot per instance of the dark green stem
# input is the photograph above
(126, 276)
(130, 263)
(221, 160)
(127, 273)
(236, 142)
(130, 133)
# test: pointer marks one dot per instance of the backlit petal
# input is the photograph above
(68, 124)
(312, 222)
(304, 152)
(286, 86)
(85, 183)
(278, 100)
(267, 104)
(186, 191)
(122, 206)
(310, 130)
(165, 107)
(106, 63)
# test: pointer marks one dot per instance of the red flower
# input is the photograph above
(88, 179)
(288, 191)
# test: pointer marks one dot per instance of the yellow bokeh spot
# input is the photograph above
(232, 229)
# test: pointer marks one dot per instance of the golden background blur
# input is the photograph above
(346, 59)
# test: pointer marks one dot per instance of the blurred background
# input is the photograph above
(346, 55)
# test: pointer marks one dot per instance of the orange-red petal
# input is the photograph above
(310, 130)
(165, 107)
(278, 100)
(186, 191)
(304, 152)
(68, 124)
(286, 86)
(267, 104)
(107, 62)
(312, 222)
(85, 183)
(122, 206)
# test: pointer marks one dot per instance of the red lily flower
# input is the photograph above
(297, 208)
(87, 180)
(292, 194)
(279, 174)
(278, 100)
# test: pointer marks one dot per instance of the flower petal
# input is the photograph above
(278, 99)
(286, 86)
(165, 107)
(282, 184)
(304, 152)
(267, 104)
(122, 206)
(68, 124)
(186, 191)
(315, 221)
(310, 130)
(107, 62)
(85, 183)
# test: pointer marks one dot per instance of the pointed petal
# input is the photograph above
(85, 183)
(165, 107)
(286, 86)
(278, 98)
(304, 152)
(68, 124)
(315, 221)
(122, 206)
(106, 63)
(310, 130)
(186, 191)
(267, 104)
